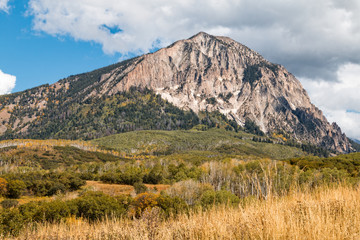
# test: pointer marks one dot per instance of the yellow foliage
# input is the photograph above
(3, 186)
(142, 202)
(280, 136)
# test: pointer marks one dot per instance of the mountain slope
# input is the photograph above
(202, 73)
(210, 142)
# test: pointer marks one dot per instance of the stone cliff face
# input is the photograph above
(208, 73)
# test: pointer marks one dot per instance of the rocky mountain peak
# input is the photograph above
(211, 73)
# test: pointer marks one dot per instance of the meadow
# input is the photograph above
(213, 184)
(323, 213)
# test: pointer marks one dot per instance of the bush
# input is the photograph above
(155, 176)
(76, 183)
(131, 175)
(11, 222)
(211, 198)
(52, 211)
(142, 202)
(140, 188)
(56, 188)
(110, 177)
(15, 188)
(96, 206)
(171, 205)
(3, 187)
(9, 203)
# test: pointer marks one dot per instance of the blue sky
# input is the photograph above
(37, 58)
(43, 41)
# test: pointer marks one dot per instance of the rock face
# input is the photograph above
(208, 73)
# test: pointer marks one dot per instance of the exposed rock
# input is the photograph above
(245, 85)
(208, 73)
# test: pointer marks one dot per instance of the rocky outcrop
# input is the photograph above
(208, 73)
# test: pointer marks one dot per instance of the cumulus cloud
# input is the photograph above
(340, 100)
(4, 5)
(7, 83)
(311, 38)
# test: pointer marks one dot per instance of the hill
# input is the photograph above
(212, 140)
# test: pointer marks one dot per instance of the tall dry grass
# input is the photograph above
(325, 213)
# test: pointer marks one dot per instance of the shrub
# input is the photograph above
(3, 186)
(131, 175)
(52, 211)
(96, 206)
(11, 222)
(155, 176)
(140, 188)
(142, 202)
(171, 205)
(15, 188)
(211, 197)
(76, 183)
(56, 188)
(9, 203)
(110, 177)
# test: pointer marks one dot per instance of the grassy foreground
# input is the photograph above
(324, 213)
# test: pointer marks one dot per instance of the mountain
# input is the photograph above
(355, 144)
(201, 75)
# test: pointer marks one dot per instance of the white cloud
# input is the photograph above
(4, 5)
(340, 100)
(311, 38)
(7, 83)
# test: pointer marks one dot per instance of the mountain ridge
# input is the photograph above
(204, 73)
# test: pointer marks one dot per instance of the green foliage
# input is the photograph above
(214, 140)
(15, 188)
(9, 203)
(11, 222)
(211, 100)
(156, 175)
(54, 158)
(140, 188)
(171, 205)
(96, 206)
(226, 97)
(355, 145)
(253, 72)
(251, 127)
(52, 211)
(41, 183)
(350, 163)
(128, 175)
(212, 198)
(74, 118)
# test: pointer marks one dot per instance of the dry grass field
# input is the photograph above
(321, 214)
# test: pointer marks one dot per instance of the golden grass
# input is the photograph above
(321, 214)
(117, 189)
(27, 199)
